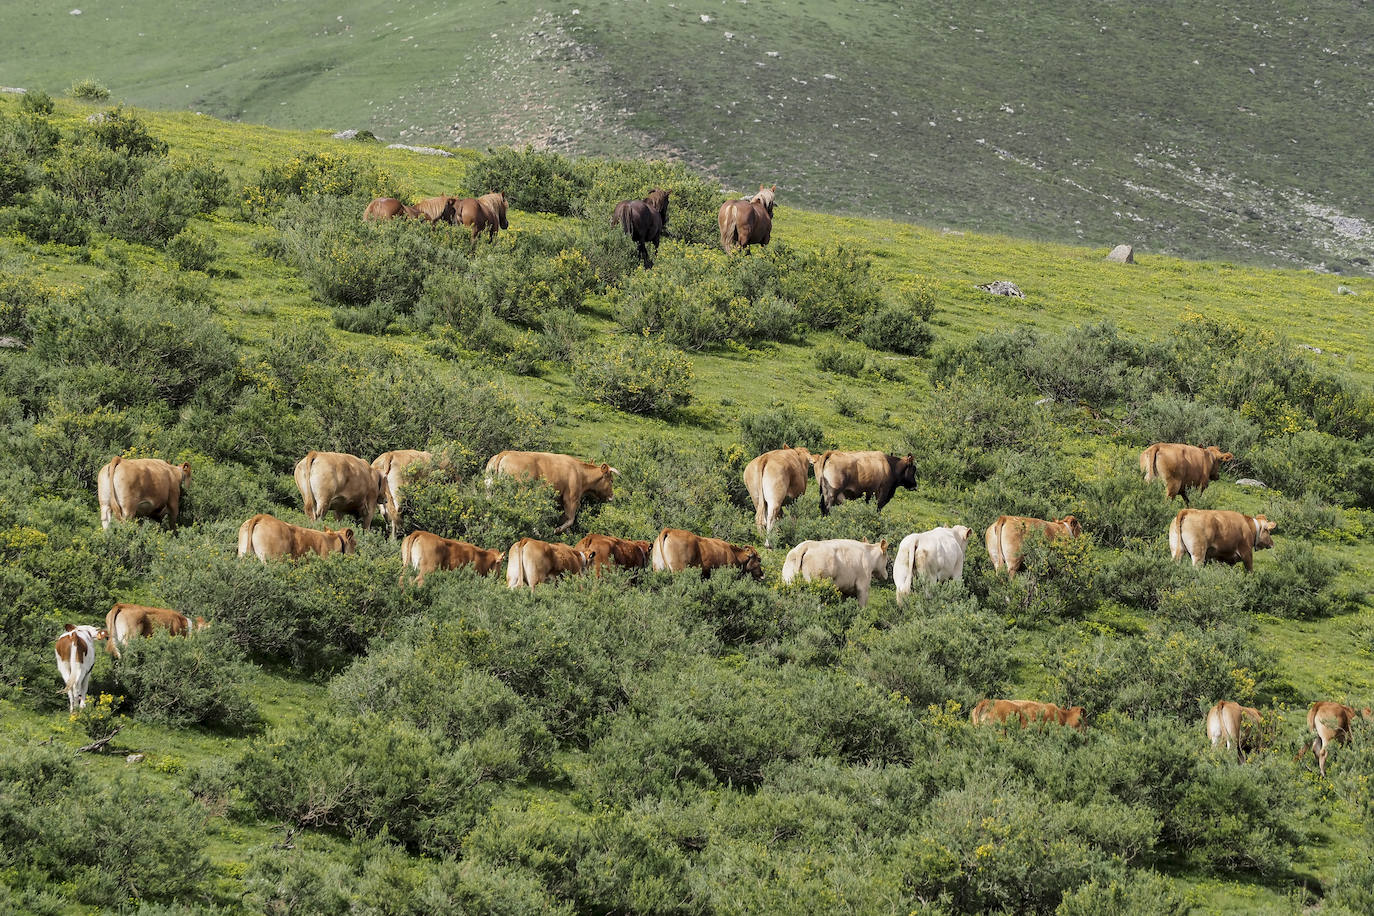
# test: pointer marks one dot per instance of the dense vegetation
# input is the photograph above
(661, 744)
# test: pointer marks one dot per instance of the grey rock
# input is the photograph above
(1122, 254)
(12, 343)
(1003, 288)
(1310, 347)
(1250, 482)
(13, 90)
(349, 134)
(134, 758)
(422, 150)
(1043, 401)
(1345, 291)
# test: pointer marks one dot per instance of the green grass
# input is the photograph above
(1184, 127)
(1066, 286)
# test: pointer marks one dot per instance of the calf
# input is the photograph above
(75, 652)
(675, 550)
(265, 537)
(614, 551)
(851, 565)
(532, 562)
(125, 620)
(425, 552)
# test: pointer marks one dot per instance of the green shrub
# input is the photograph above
(49, 217)
(535, 181)
(316, 175)
(36, 101)
(202, 679)
(692, 204)
(1317, 464)
(27, 622)
(122, 131)
(88, 90)
(781, 426)
(1302, 583)
(899, 329)
(833, 288)
(637, 374)
(1166, 418)
(438, 501)
(830, 358)
(191, 250)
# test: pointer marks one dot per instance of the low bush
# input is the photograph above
(202, 679)
(831, 358)
(313, 175)
(781, 426)
(1302, 583)
(899, 329)
(636, 374)
(692, 204)
(440, 501)
(88, 90)
(536, 181)
(191, 251)
(1309, 463)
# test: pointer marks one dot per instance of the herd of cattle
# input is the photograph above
(347, 485)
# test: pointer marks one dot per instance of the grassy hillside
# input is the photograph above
(665, 745)
(1186, 128)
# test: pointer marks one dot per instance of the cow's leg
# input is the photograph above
(569, 513)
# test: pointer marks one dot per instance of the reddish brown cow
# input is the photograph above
(425, 552)
(1182, 467)
(532, 562)
(1219, 534)
(131, 488)
(266, 537)
(999, 712)
(125, 620)
(675, 550)
(1006, 537)
(570, 477)
(614, 551)
(849, 475)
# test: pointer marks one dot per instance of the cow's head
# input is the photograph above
(347, 542)
(1263, 532)
(880, 559)
(1070, 526)
(1072, 716)
(904, 469)
(68, 627)
(199, 623)
(602, 485)
(1218, 458)
(750, 562)
(961, 532)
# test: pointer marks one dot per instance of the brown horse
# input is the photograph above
(384, 208)
(439, 209)
(486, 213)
(643, 220)
(748, 221)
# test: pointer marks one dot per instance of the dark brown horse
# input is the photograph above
(389, 208)
(643, 220)
(439, 209)
(747, 222)
(482, 214)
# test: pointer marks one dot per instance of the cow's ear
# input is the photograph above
(1270, 526)
(883, 545)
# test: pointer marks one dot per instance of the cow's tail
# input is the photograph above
(976, 714)
(1147, 462)
(821, 485)
(1176, 545)
(112, 628)
(793, 564)
(657, 557)
(303, 482)
(246, 536)
(515, 565)
(493, 468)
(108, 493)
(994, 542)
(904, 568)
(407, 556)
(73, 677)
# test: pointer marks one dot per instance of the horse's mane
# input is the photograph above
(496, 200)
(765, 197)
(657, 200)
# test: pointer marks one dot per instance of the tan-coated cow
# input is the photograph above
(850, 564)
(131, 488)
(1234, 724)
(265, 537)
(773, 480)
(392, 466)
(571, 478)
(532, 562)
(1182, 467)
(614, 551)
(126, 620)
(345, 484)
(425, 552)
(1006, 537)
(75, 650)
(849, 475)
(1024, 712)
(1331, 722)
(675, 550)
(1219, 534)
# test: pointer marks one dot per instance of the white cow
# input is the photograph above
(75, 659)
(935, 556)
(851, 565)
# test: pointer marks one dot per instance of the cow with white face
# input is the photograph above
(75, 651)
(936, 555)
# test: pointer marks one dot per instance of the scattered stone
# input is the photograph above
(1043, 401)
(1340, 290)
(13, 90)
(76, 12)
(1122, 254)
(346, 134)
(134, 758)
(422, 150)
(1003, 288)
(1310, 347)
(12, 343)
(97, 118)
(1250, 482)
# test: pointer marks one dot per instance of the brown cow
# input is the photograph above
(1234, 724)
(1182, 467)
(1331, 721)
(385, 208)
(1006, 536)
(774, 479)
(483, 214)
(392, 466)
(425, 552)
(141, 487)
(442, 209)
(675, 550)
(1219, 534)
(346, 484)
(570, 477)
(848, 475)
(125, 620)
(999, 712)
(75, 650)
(614, 551)
(532, 562)
(266, 537)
